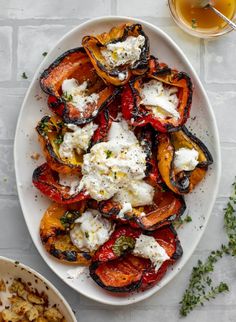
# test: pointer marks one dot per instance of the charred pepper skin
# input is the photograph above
(125, 273)
(138, 115)
(94, 44)
(75, 63)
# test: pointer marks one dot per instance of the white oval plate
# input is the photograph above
(202, 122)
(10, 270)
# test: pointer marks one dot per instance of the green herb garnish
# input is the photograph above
(44, 127)
(108, 154)
(194, 23)
(67, 220)
(24, 76)
(200, 288)
(44, 54)
(86, 234)
(122, 244)
(59, 139)
(67, 97)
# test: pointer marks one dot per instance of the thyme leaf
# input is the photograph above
(108, 154)
(68, 218)
(67, 97)
(200, 288)
(122, 244)
(194, 23)
(24, 76)
(59, 139)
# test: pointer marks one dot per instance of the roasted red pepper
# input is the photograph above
(111, 75)
(147, 139)
(51, 131)
(121, 241)
(47, 181)
(166, 207)
(55, 234)
(140, 115)
(181, 182)
(76, 64)
(115, 269)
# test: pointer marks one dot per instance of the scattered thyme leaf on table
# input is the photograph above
(24, 76)
(201, 288)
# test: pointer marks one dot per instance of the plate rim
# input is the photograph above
(217, 160)
(44, 280)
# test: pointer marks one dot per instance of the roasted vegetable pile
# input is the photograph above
(119, 159)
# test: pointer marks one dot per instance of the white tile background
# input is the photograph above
(27, 29)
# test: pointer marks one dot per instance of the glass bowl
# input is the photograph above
(201, 33)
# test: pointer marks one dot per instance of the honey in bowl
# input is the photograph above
(203, 19)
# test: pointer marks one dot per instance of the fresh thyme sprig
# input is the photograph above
(200, 288)
(230, 221)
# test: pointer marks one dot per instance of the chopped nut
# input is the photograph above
(32, 314)
(20, 307)
(40, 319)
(28, 306)
(35, 299)
(40, 308)
(15, 286)
(10, 316)
(53, 315)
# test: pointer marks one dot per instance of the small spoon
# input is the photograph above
(207, 4)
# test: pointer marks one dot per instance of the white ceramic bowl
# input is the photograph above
(202, 122)
(10, 269)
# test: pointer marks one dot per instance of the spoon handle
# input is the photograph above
(230, 22)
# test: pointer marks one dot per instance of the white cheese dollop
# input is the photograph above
(127, 207)
(120, 131)
(186, 159)
(163, 101)
(71, 181)
(124, 52)
(148, 247)
(77, 94)
(90, 231)
(122, 76)
(137, 193)
(78, 140)
(112, 166)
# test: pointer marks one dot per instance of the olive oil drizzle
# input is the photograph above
(204, 18)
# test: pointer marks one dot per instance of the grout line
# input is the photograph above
(9, 197)
(45, 21)
(15, 84)
(14, 53)
(167, 21)
(227, 145)
(7, 142)
(218, 87)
